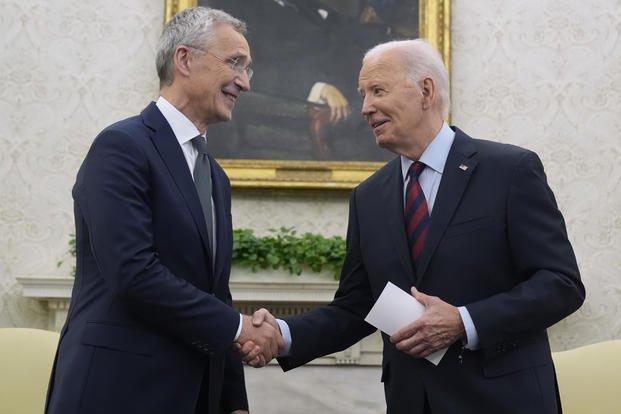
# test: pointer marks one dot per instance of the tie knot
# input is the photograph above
(415, 169)
(200, 144)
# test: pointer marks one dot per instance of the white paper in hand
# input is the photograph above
(395, 309)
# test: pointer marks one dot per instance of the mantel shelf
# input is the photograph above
(282, 293)
(243, 289)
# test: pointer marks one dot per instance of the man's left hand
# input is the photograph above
(439, 327)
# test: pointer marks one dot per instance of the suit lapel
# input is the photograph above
(168, 147)
(392, 196)
(460, 164)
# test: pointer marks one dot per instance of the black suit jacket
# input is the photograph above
(149, 321)
(497, 244)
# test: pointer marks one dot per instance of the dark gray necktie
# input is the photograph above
(202, 181)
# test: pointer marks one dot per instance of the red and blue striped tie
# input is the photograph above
(416, 212)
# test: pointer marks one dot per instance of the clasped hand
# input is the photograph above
(260, 340)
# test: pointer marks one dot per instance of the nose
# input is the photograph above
(367, 106)
(243, 81)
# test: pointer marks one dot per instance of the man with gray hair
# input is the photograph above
(472, 230)
(151, 328)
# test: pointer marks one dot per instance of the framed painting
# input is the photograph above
(299, 127)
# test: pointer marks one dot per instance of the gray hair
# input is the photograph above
(420, 59)
(193, 27)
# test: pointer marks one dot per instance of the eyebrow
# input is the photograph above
(370, 87)
(239, 55)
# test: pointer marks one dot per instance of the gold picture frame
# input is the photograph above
(434, 24)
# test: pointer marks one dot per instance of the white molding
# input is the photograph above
(46, 287)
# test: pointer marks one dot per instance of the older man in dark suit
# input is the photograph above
(151, 328)
(472, 228)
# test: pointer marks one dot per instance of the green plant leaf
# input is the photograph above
(281, 249)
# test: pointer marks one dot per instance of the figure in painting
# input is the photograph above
(303, 103)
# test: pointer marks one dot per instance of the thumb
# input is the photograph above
(259, 316)
(421, 297)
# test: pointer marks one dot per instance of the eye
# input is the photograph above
(235, 62)
(238, 64)
(378, 91)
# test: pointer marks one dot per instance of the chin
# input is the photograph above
(387, 145)
(382, 142)
(224, 116)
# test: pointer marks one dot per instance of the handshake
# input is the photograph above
(260, 339)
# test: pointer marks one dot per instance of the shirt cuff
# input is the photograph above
(472, 337)
(286, 336)
(238, 328)
(315, 93)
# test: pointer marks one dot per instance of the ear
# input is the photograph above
(428, 90)
(181, 60)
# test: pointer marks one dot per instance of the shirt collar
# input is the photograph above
(436, 152)
(182, 127)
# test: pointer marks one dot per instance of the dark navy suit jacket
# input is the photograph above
(150, 325)
(497, 244)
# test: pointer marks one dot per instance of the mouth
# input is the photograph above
(231, 96)
(377, 124)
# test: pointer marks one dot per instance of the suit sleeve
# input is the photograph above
(113, 193)
(339, 324)
(550, 287)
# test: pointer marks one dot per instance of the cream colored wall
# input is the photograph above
(530, 73)
(68, 69)
(547, 75)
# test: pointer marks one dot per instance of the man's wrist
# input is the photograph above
(285, 332)
(239, 328)
(471, 340)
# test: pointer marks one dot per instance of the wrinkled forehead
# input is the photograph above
(381, 68)
(229, 42)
